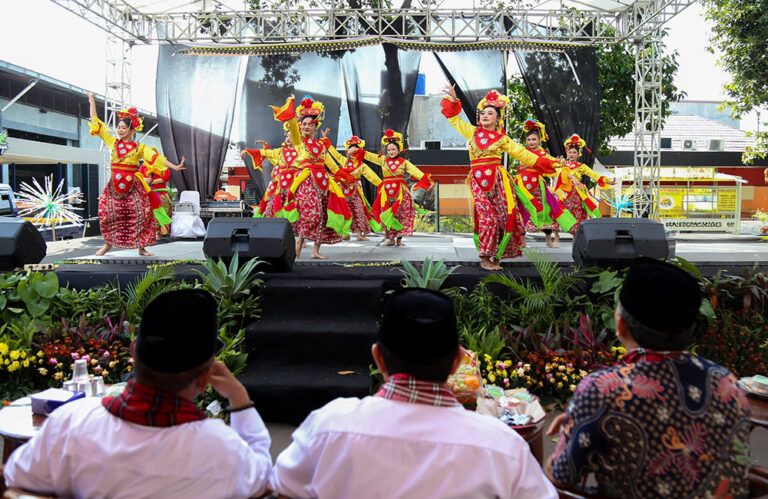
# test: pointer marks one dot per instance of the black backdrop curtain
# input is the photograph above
(380, 82)
(269, 80)
(195, 107)
(475, 74)
(565, 91)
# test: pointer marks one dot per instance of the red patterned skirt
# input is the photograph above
(126, 219)
(491, 217)
(532, 227)
(357, 207)
(404, 215)
(573, 203)
(312, 204)
(269, 211)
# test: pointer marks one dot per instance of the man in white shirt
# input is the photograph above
(152, 441)
(412, 439)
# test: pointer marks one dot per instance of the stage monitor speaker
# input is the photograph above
(20, 243)
(616, 242)
(268, 239)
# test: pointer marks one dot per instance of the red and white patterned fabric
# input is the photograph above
(357, 207)
(126, 219)
(405, 215)
(491, 216)
(312, 203)
(574, 204)
(406, 388)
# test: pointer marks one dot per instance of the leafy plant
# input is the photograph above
(432, 275)
(485, 341)
(233, 282)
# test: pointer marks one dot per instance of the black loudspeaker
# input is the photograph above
(20, 243)
(616, 242)
(268, 239)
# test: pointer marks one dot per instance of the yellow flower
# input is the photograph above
(14, 366)
(130, 368)
(551, 380)
(559, 384)
(561, 368)
(573, 388)
(40, 353)
(105, 373)
(492, 378)
(3, 349)
(94, 362)
(487, 357)
(622, 350)
(527, 367)
(26, 363)
(43, 371)
(14, 354)
(23, 355)
(58, 376)
(112, 364)
(582, 373)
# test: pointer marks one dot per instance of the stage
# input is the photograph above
(77, 264)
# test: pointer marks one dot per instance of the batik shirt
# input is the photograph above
(657, 426)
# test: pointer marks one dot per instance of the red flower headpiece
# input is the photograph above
(309, 108)
(132, 115)
(531, 124)
(355, 141)
(391, 136)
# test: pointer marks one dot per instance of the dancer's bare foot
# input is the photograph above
(104, 249)
(299, 244)
(316, 252)
(346, 238)
(362, 238)
(400, 241)
(550, 243)
(144, 252)
(389, 242)
(487, 264)
(557, 237)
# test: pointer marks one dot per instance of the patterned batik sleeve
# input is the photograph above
(580, 435)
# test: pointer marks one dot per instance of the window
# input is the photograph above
(666, 142)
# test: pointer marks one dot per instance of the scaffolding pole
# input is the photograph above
(117, 94)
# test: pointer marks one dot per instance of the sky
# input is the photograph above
(70, 49)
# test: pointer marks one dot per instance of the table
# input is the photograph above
(18, 424)
(759, 406)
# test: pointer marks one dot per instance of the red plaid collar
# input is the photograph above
(405, 388)
(147, 406)
(644, 355)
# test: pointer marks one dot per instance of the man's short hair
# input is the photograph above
(418, 335)
(177, 337)
(659, 302)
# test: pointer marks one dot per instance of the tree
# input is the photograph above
(740, 33)
(616, 74)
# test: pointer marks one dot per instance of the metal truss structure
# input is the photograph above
(567, 21)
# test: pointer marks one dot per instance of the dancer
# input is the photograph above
(158, 182)
(546, 212)
(127, 205)
(393, 207)
(285, 168)
(574, 195)
(498, 226)
(324, 215)
(358, 205)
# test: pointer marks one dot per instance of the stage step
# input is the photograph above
(310, 330)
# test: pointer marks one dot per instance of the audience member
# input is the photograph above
(412, 439)
(152, 441)
(662, 422)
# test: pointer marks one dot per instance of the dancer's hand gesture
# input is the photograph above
(325, 133)
(91, 97)
(451, 91)
(178, 167)
(259, 141)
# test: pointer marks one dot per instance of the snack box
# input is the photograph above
(49, 400)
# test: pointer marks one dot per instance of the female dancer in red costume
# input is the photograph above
(324, 216)
(393, 208)
(574, 195)
(127, 206)
(498, 227)
(285, 168)
(532, 188)
(353, 192)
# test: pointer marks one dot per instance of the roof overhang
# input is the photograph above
(21, 151)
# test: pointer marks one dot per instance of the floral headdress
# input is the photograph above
(577, 142)
(355, 141)
(532, 124)
(497, 100)
(133, 116)
(392, 136)
(311, 108)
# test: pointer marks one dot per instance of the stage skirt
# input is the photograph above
(491, 217)
(312, 203)
(404, 215)
(532, 227)
(357, 207)
(126, 219)
(574, 204)
(269, 210)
